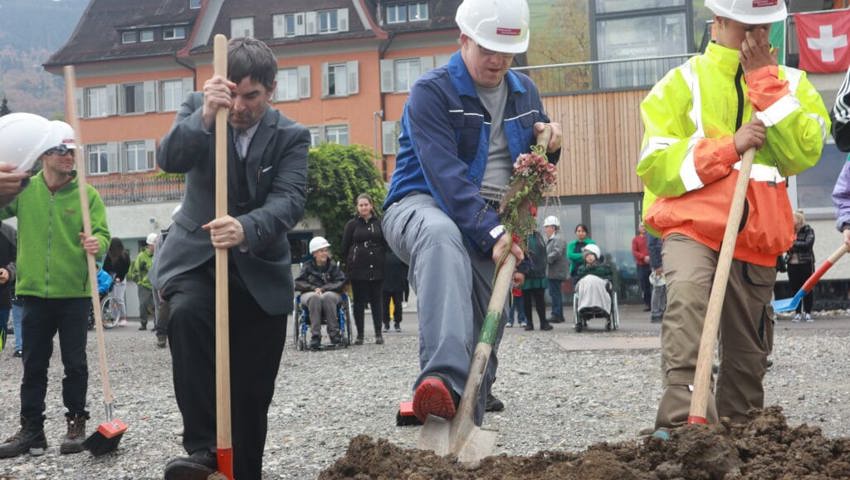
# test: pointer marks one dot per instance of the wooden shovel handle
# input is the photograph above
(222, 324)
(82, 187)
(702, 376)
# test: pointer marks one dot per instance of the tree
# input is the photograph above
(4, 107)
(336, 175)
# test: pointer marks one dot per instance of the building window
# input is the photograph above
(287, 84)
(336, 134)
(241, 27)
(340, 79)
(396, 13)
(146, 36)
(137, 156)
(172, 95)
(132, 98)
(129, 37)
(98, 159)
(315, 136)
(194, 4)
(174, 33)
(328, 21)
(406, 71)
(287, 25)
(96, 103)
(417, 12)
(609, 6)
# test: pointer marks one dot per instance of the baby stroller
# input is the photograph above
(107, 310)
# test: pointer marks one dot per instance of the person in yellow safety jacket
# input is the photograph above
(699, 120)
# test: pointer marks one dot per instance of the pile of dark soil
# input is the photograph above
(763, 448)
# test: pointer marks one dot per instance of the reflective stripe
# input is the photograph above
(688, 170)
(655, 144)
(692, 81)
(762, 173)
(779, 110)
(793, 76)
(822, 124)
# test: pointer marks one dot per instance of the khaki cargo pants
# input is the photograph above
(746, 332)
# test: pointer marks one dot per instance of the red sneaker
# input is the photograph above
(433, 397)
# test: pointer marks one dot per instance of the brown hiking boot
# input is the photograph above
(30, 438)
(73, 442)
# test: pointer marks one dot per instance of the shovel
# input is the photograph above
(788, 304)
(460, 436)
(705, 360)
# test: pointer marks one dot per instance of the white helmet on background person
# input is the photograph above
(23, 138)
(497, 25)
(318, 243)
(151, 238)
(552, 221)
(751, 12)
(592, 248)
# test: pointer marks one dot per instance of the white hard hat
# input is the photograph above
(751, 12)
(23, 138)
(592, 248)
(551, 221)
(61, 134)
(151, 238)
(497, 25)
(318, 243)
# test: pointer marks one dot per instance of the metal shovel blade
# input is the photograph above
(788, 304)
(469, 444)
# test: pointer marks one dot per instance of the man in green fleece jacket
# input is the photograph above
(53, 284)
(139, 273)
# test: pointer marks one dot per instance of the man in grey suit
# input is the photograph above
(556, 265)
(267, 176)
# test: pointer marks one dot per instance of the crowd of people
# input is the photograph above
(439, 229)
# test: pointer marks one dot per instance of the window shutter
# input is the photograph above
(310, 20)
(351, 69)
(387, 76)
(112, 157)
(325, 89)
(150, 153)
(278, 26)
(389, 137)
(299, 23)
(425, 64)
(304, 81)
(188, 87)
(122, 99)
(342, 19)
(150, 95)
(78, 100)
(112, 99)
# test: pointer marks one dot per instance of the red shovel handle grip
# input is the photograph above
(826, 265)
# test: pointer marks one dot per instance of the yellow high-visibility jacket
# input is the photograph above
(689, 164)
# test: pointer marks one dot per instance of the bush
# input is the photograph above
(336, 175)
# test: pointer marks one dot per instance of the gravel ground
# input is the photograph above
(557, 398)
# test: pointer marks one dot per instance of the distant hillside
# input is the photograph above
(30, 31)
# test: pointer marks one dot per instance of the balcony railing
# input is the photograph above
(133, 191)
(602, 75)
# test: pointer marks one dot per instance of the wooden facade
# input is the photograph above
(602, 137)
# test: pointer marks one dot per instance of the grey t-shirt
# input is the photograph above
(499, 162)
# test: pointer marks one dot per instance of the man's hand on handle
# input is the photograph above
(501, 247)
(225, 232)
(217, 94)
(750, 135)
(555, 139)
(90, 244)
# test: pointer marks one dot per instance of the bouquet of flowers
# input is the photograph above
(533, 176)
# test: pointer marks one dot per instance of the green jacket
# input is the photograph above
(139, 269)
(575, 255)
(601, 270)
(51, 261)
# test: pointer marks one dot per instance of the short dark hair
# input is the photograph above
(249, 57)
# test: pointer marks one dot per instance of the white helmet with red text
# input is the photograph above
(23, 138)
(751, 12)
(497, 25)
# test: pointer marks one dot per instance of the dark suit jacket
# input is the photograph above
(276, 173)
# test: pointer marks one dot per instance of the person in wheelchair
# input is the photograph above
(593, 287)
(320, 284)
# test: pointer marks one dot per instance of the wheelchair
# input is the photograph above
(587, 313)
(108, 304)
(302, 327)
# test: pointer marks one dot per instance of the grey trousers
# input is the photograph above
(322, 306)
(746, 332)
(453, 283)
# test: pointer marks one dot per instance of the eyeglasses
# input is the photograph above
(61, 150)
(490, 53)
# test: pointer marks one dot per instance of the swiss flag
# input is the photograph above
(824, 41)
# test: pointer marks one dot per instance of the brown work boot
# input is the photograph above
(30, 438)
(73, 442)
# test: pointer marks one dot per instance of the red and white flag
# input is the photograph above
(824, 41)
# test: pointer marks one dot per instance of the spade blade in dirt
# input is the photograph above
(478, 444)
(468, 443)
(435, 435)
